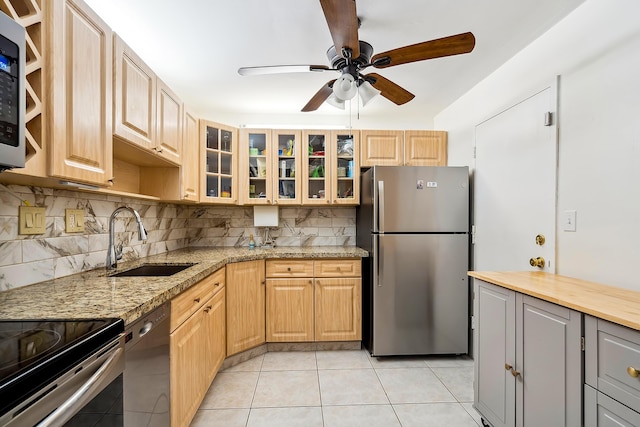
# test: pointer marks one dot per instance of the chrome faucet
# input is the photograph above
(113, 253)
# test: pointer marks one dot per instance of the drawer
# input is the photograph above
(185, 304)
(612, 352)
(338, 268)
(601, 410)
(289, 268)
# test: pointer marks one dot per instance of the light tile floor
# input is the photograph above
(341, 388)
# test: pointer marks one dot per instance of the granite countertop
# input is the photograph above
(93, 294)
(617, 305)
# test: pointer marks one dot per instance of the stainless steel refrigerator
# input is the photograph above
(414, 221)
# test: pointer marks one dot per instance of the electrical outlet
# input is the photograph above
(74, 220)
(31, 220)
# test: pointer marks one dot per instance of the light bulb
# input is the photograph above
(344, 87)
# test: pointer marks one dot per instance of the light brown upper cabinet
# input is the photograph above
(169, 123)
(344, 168)
(79, 73)
(218, 163)
(134, 97)
(147, 114)
(425, 148)
(397, 148)
(256, 167)
(381, 147)
(287, 166)
(190, 155)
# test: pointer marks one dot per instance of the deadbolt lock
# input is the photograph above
(540, 240)
(537, 262)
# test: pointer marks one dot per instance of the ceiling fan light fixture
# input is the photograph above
(335, 101)
(344, 87)
(367, 92)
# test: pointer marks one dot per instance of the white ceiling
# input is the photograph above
(197, 46)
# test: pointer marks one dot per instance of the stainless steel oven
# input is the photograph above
(62, 373)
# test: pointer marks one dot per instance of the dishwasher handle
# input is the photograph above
(77, 400)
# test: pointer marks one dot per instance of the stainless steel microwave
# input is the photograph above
(12, 93)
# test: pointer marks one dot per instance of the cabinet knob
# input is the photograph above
(288, 268)
(196, 300)
(537, 262)
(633, 372)
(207, 309)
(515, 373)
(216, 284)
(508, 367)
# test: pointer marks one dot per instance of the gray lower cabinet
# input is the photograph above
(528, 360)
(612, 374)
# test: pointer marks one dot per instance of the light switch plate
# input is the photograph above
(569, 220)
(74, 220)
(31, 220)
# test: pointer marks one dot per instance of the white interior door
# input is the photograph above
(515, 186)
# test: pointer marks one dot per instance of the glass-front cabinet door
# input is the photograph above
(287, 163)
(345, 167)
(315, 168)
(218, 151)
(256, 171)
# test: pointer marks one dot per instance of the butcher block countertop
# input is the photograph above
(93, 294)
(618, 305)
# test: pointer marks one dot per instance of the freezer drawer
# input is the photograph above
(420, 294)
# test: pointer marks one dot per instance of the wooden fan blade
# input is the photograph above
(342, 20)
(320, 96)
(446, 46)
(389, 89)
(279, 69)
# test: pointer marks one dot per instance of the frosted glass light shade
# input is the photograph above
(344, 88)
(367, 92)
(335, 101)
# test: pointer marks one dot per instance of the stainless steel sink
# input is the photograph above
(154, 270)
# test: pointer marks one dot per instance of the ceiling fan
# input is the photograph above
(350, 56)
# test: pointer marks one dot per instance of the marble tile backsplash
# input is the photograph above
(26, 259)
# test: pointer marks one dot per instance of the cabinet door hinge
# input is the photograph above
(582, 343)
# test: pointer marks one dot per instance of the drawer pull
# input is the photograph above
(216, 284)
(196, 300)
(288, 268)
(633, 372)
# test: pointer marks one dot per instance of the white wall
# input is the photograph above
(596, 51)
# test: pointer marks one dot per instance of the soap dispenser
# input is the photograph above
(252, 243)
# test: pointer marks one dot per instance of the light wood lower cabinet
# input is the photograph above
(311, 300)
(197, 344)
(245, 305)
(528, 361)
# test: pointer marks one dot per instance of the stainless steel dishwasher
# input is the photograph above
(146, 373)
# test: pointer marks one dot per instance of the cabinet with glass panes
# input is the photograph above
(256, 170)
(345, 167)
(286, 153)
(218, 156)
(315, 168)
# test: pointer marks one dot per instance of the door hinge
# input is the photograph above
(474, 151)
(582, 343)
(548, 118)
(473, 234)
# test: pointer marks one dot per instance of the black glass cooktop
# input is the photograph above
(33, 353)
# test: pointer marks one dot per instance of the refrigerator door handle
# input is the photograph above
(377, 256)
(381, 206)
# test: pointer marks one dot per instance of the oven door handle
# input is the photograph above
(78, 399)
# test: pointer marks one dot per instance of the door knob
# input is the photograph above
(540, 240)
(537, 262)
